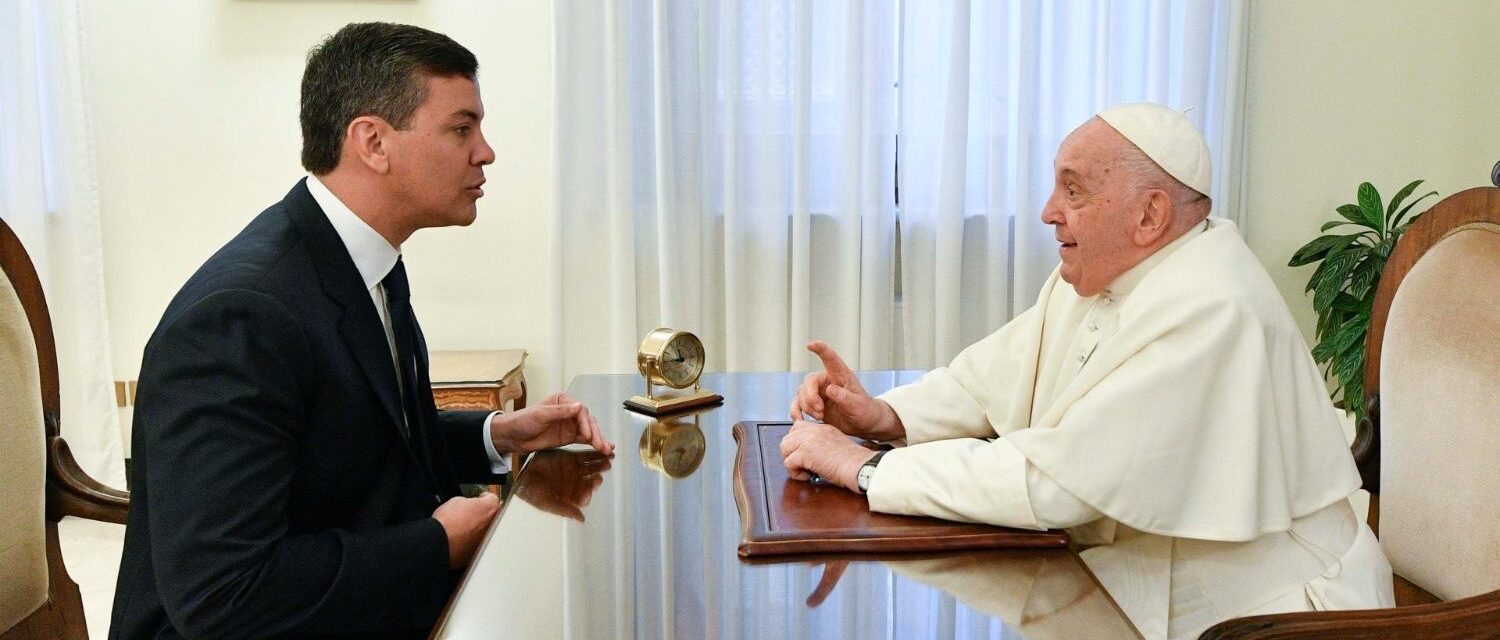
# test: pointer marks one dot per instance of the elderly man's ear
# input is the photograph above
(1155, 219)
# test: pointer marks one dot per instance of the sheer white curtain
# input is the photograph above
(48, 195)
(726, 168)
(989, 88)
(729, 166)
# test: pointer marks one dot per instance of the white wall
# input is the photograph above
(1346, 91)
(194, 108)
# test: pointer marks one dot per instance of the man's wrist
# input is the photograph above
(891, 427)
(856, 459)
(497, 433)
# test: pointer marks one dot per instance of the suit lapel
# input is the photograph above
(341, 282)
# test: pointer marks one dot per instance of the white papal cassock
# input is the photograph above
(1175, 424)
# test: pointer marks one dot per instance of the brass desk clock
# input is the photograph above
(674, 359)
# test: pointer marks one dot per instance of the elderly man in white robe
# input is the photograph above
(1158, 402)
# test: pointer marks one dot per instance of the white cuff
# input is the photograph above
(498, 462)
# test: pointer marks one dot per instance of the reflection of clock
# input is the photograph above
(673, 359)
(673, 447)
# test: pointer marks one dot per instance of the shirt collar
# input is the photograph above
(373, 255)
(1127, 282)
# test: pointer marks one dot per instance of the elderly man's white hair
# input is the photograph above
(1144, 173)
(1165, 152)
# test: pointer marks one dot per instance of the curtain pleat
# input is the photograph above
(49, 195)
(988, 92)
(726, 168)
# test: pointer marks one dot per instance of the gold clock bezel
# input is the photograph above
(652, 353)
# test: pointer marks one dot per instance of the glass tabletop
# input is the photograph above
(643, 545)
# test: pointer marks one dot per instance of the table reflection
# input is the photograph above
(1041, 594)
(673, 446)
(564, 481)
(645, 547)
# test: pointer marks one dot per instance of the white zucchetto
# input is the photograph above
(1168, 138)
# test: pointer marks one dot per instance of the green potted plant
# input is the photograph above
(1343, 285)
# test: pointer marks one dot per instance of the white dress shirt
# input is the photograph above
(374, 257)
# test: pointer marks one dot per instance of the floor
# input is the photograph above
(91, 549)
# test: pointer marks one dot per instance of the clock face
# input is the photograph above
(681, 360)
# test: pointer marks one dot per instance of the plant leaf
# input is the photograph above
(1396, 224)
(1390, 209)
(1333, 223)
(1351, 366)
(1384, 249)
(1354, 398)
(1351, 213)
(1329, 322)
(1320, 247)
(1325, 269)
(1350, 335)
(1346, 370)
(1317, 277)
(1346, 302)
(1323, 351)
(1369, 206)
(1364, 277)
(1355, 215)
(1332, 282)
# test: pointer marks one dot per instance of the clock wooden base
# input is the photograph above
(665, 404)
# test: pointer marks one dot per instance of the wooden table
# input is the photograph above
(643, 546)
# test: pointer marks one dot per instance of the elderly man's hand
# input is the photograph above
(811, 448)
(835, 396)
(557, 421)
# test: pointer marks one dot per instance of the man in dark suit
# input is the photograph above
(292, 477)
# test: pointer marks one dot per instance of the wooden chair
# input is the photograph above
(1429, 450)
(40, 482)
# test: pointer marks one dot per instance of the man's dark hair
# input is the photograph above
(370, 68)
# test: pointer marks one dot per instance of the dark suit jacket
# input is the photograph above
(273, 494)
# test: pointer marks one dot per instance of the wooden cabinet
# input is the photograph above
(492, 380)
(479, 380)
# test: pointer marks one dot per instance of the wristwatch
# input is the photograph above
(866, 470)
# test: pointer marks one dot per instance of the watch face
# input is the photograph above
(682, 360)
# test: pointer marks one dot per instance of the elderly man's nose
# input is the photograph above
(1050, 214)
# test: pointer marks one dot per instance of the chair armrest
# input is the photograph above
(1476, 617)
(73, 492)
